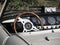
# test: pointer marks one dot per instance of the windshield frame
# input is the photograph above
(3, 7)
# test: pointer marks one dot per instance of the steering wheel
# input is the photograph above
(21, 14)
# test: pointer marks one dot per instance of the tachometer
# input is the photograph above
(58, 18)
(35, 20)
(43, 20)
(51, 20)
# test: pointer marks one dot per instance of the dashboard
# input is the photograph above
(49, 20)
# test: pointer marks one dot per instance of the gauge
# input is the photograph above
(43, 20)
(58, 18)
(51, 20)
(35, 20)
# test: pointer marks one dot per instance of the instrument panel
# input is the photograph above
(47, 20)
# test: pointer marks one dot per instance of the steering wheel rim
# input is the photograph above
(31, 13)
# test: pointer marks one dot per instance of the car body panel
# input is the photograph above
(39, 38)
(45, 37)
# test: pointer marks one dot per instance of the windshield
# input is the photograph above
(27, 4)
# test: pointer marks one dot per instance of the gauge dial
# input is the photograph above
(58, 18)
(35, 20)
(43, 20)
(51, 20)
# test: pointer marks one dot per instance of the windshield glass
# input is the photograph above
(34, 5)
(27, 4)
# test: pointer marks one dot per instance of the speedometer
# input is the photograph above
(35, 20)
(43, 20)
(51, 20)
(58, 18)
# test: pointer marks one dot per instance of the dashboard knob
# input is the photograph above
(51, 27)
(59, 26)
(47, 27)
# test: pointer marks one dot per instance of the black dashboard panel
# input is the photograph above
(47, 18)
